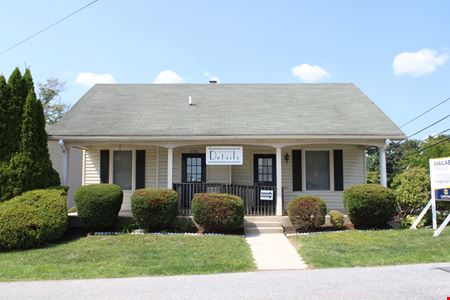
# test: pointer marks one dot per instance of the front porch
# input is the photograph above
(255, 202)
(281, 171)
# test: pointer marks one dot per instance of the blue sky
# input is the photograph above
(243, 42)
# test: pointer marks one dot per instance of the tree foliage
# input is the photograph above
(49, 95)
(407, 154)
(412, 190)
(26, 163)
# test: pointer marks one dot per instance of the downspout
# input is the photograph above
(65, 160)
(382, 153)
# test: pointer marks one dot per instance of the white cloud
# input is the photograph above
(309, 73)
(418, 63)
(168, 76)
(90, 79)
(206, 74)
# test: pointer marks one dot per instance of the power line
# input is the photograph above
(427, 147)
(48, 27)
(415, 118)
(438, 134)
(421, 130)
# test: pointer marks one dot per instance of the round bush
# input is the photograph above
(154, 209)
(370, 205)
(98, 205)
(306, 213)
(336, 218)
(218, 212)
(32, 219)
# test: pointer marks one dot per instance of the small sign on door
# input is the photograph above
(266, 195)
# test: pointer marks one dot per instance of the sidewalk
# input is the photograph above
(273, 251)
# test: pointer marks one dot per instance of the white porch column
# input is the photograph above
(382, 153)
(170, 167)
(279, 207)
(66, 154)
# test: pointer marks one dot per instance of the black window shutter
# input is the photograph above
(338, 170)
(203, 156)
(183, 167)
(296, 170)
(140, 169)
(104, 166)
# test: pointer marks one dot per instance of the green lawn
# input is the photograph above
(373, 248)
(128, 255)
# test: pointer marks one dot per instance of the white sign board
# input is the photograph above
(266, 195)
(440, 178)
(224, 155)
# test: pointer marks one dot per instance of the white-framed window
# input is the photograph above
(318, 170)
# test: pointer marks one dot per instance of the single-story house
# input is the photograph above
(267, 143)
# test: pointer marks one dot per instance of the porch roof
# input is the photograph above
(244, 110)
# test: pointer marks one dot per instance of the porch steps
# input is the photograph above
(262, 225)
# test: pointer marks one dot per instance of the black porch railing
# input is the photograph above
(251, 194)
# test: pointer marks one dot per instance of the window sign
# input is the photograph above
(224, 155)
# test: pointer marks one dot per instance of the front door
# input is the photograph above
(264, 169)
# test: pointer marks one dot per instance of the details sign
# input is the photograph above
(224, 155)
(440, 178)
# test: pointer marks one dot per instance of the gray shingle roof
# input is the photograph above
(225, 110)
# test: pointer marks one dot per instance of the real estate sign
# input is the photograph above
(224, 155)
(440, 178)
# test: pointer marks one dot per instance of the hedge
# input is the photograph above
(306, 213)
(33, 219)
(98, 205)
(370, 205)
(336, 218)
(154, 209)
(218, 212)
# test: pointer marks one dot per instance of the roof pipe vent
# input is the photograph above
(190, 101)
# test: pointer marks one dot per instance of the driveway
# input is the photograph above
(426, 281)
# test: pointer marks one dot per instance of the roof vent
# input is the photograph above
(190, 101)
(213, 81)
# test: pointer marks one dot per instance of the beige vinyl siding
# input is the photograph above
(150, 167)
(91, 166)
(163, 168)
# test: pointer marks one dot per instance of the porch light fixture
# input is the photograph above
(286, 157)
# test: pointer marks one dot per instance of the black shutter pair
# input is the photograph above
(297, 170)
(140, 167)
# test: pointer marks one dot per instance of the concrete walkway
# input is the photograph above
(273, 251)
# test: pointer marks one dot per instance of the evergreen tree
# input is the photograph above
(30, 166)
(16, 87)
(5, 135)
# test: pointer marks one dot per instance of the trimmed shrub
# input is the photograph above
(154, 209)
(370, 205)
(306, 213)
(336, 218)
(33, 219)
(98, 205)
(218, 212)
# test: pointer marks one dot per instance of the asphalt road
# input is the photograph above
(426, 281)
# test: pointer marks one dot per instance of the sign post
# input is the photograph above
(440, 191)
